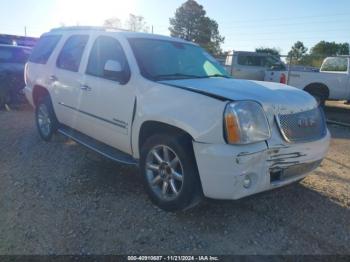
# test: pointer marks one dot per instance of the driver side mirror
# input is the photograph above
(113, 70)
(112, 66)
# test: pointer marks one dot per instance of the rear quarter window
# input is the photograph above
(335, 64)
(44, 49)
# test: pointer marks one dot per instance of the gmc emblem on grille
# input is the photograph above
(306, 122)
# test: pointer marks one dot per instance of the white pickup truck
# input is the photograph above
(332, 82)
(166, 105)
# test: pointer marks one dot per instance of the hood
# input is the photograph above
(279, 98)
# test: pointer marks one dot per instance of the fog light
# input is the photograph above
(247, 181)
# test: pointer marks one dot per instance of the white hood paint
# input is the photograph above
(279, 98)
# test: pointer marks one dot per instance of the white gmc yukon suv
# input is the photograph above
(166, 105)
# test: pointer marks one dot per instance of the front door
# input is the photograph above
(107, 100)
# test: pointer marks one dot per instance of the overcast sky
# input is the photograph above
(246, 24)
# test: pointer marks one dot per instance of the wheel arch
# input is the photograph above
(317, 87)
(150, 127)
(38, 93)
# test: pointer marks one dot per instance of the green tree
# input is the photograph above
(191, 23)
(297, 52)
(344, 49)
(324, 49)
(268, 50)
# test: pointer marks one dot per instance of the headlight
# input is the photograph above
(245, 122)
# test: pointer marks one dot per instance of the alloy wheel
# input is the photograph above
(164, 172)
(44, 121)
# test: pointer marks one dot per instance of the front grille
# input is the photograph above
(303, 126)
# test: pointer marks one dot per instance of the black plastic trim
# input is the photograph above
(97, 117)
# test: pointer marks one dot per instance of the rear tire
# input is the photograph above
(319, 92)
(45, 118)
(169, 172)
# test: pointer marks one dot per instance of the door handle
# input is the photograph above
(85, 88)
(53, 78)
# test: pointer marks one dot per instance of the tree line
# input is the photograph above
(191, 23)
(301, 55)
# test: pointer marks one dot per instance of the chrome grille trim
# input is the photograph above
(292, 132)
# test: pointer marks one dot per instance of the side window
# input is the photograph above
(247, 60)
(106, 49)
(44, 49)
(335, 64)
(71, 53)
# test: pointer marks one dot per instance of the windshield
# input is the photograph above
(164, 60)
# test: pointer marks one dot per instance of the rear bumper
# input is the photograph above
(224, 169)
(28, 92)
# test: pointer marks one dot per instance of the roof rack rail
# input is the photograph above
(98, 28)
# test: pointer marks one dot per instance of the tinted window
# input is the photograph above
(107, 48)
(251, 60)
(260, 61)
(14, 55)
(71, 53)
(44, 49)
(335, 64)
(162, 59)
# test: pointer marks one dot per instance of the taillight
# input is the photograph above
(283, 78)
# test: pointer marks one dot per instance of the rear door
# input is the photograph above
(66, 79)
(107, 101)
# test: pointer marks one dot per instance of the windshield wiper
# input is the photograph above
(180, 75)
(159, 77)
(217, 75)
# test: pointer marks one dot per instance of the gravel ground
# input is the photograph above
(60, 198)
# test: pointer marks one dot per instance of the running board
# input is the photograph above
(99, 147)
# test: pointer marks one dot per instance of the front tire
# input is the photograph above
(320, 99)
(45, 119)
(170, 172)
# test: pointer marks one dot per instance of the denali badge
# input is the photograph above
(306, 122)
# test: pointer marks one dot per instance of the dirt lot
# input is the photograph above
(60, 198)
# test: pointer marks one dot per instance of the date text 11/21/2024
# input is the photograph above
(173, 258)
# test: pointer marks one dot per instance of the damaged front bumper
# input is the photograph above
(233, 172)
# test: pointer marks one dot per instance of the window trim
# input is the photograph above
(125, 56)
(82, 54)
